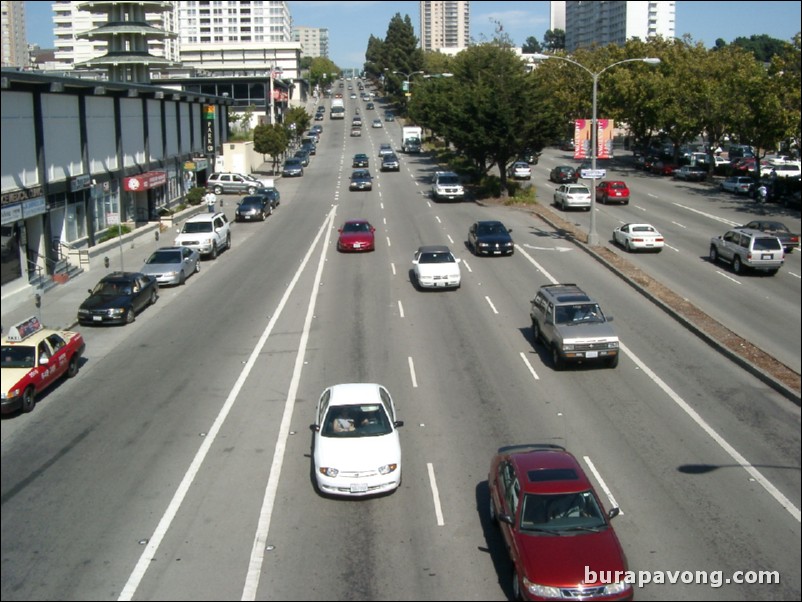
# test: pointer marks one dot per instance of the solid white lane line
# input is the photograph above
(149, 553)
(605, 488)
(728, 449)
(490, 303)
(438, 511)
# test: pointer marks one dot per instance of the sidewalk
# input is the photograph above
(59, 305)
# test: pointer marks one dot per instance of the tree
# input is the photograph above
(763, 47)
(554, 39)
(270, 140)
(401, 54)
(297, 120)
(531, 46)
(320, 71)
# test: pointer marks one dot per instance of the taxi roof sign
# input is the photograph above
(19, 332)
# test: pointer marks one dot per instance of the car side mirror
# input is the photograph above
(398, 423)
(314, 427)
(613, 513)
(44, 360)
(414, 262)
(506, 518)
(509, 229)
(458, 260)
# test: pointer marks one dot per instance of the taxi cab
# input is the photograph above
(33, 358)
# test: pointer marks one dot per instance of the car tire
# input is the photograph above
(628, 247)
(130, 316)
(197, 267)
(213, 254)
(516, 586)
(737, 266)
(72, 367)
(557, 359)
(182, 278)
(535, 332)
(613, 361)
(262, 216)
(218, 190)
(228, 241)
(154, 296)
(603, 200)
(28, 400)
(713, 255)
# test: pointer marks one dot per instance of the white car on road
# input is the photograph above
(436, 267)
(357, 449)
(639, 237)
(572, 196)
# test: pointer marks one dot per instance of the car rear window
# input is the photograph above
(552, 474)
(767, 244)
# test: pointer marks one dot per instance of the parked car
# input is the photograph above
(235, 183)
(639, 237)
(207, 233)
(691, 173)
(737, 184)
(664, 168)
(361, 180)
(253, 208)
(563, 174)
(490, 238)
(567, 145)
(436, 267)
(744, 248)
(360, 160)
(572, 196)
(117, 298)
(357, 450)
(34, 359)
(612, 190)
(554, 526)
(303, 156)
(356, 235)
(789, 240)
(520, 170)
(292, 168)
(172, 265)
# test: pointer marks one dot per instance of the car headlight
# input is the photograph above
(329, 471)
(116, 311)
(483, 244)
(12, 393)
(387, 468)
(612, 345)
(568, 347)
(507, 244)
(542, 591)
(615, 588)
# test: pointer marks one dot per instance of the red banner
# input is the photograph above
(583, 139)
(145, 181)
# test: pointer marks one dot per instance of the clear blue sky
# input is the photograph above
(351, 24)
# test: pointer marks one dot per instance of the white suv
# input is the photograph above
(207, 233)
(446, 185)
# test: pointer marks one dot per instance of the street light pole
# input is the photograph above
(593, 237)
(408, 77)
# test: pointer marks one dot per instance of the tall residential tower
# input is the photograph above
(445, 26)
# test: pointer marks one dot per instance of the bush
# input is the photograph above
(114, 232)
(195, 195)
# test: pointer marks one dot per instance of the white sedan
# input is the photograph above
(377, 123)
(357, 448)
(520, 170)
(638, 236)
(435, 266)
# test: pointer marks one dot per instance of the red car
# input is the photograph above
(554, 526)
(664, 168)
(356, 235)
(33, 359)
(613, 190)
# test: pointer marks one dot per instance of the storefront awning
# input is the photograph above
(145, 181)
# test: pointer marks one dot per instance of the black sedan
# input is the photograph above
(490, 238)
(361, 180)
(390, 163)
(255, 207)
(563, 174)
(360, 160)
(789, 240)
(118, 298)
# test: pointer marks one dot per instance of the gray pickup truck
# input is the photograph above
(572, 326)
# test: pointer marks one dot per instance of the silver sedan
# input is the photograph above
(172, 265)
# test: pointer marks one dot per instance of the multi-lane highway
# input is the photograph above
(178, 464)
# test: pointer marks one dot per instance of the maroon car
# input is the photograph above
(554, 526)
(664, 168)
(356, 235)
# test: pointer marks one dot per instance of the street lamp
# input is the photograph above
(408, 77)
(593, 237)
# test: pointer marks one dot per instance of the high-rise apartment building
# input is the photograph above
(314, 41)
(601, 23)
(445, 26)
(14, 44)
(74, 47)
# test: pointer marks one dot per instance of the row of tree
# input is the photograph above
(494, 103)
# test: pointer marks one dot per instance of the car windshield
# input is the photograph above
(197, 227)
(18, 356)
(112, 288)
(561, 512)
(491, 229)
(356, 227)
(448, 180)
(436, 258)
(360, 175)
(368, 420)
(164, 257)
(578, 313)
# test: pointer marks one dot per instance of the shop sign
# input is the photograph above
(145, 181)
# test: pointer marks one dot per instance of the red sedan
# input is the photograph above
(664, 168)
(555, 529)
(613, 190)
(356, 235)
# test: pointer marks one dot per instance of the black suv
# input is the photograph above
(564, 174)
